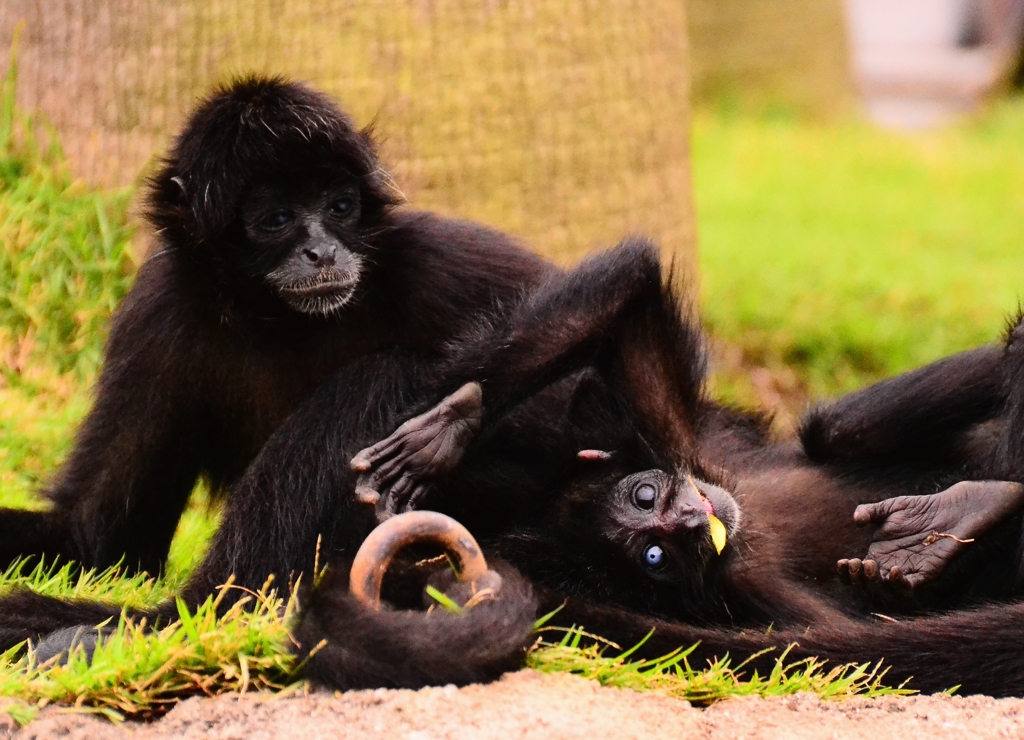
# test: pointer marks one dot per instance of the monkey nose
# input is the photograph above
(683, 519)
(320, 256)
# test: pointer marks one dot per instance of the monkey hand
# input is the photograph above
(395, 472)
(918, 536)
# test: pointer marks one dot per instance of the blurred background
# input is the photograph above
(844, 182)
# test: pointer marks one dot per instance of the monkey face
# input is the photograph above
(307, 243)
(662, 523)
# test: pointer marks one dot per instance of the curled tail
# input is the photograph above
(347, 646)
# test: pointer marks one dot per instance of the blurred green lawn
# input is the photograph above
(850, 253)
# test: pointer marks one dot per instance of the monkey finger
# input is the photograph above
(367, 457)
(394, 501)
(417, 495)
(381, 476)
(870, 570)
(364, 459)
(856, 570)
(908, 580)
(912, 580)
(367, 495)
(870, 513)
(843, 568)
(367, 482)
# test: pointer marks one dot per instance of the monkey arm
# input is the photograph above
(915, 415)
(918, 536)
(294, 501)
(612, 312)
(136, 458)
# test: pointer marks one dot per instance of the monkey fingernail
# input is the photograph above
(360, 464)
(366, 495)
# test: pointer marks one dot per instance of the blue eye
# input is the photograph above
(654, 557)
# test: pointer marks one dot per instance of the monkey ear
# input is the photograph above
(378, 185)
(596, 419)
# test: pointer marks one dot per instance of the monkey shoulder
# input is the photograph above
(438, 275)
(471, 252)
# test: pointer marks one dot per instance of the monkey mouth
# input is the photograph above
(322, 294)
(324, 285)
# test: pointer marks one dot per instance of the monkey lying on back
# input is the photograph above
(606, 488)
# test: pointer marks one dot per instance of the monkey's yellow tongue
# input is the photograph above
(717, 533)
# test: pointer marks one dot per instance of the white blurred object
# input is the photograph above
(920, 63)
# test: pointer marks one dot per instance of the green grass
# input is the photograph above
(849, 253)
(673, 675)
(66, 260)
(139, 673)
(844, 252)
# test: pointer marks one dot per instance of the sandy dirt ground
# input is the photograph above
(533, 705)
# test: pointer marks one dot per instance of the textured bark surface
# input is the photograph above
(772, 52)
(566, 123)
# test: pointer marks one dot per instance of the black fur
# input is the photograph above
(602, 358)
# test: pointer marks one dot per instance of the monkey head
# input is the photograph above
(666, 523)
(270, 189)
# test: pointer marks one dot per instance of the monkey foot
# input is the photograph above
(394, 474)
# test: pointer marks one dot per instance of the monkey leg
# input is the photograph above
(918, 536)
(978, 650)
(296, 500)
(917, 415)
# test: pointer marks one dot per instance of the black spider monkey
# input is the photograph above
(607, 501)
(280, 262)
(289, 316)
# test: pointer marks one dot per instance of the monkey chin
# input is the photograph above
(323, 304)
